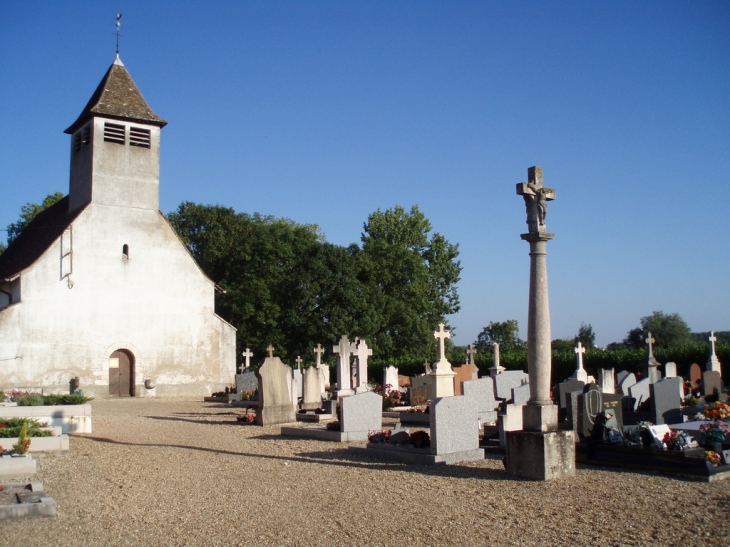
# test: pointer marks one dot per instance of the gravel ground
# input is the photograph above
(183, 472)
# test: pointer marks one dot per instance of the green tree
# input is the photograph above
(504, 333)
(284, 285)
(28, 212)
(586, 336)
(409, 280)
(668, 331)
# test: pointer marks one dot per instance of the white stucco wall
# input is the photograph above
(157, 304)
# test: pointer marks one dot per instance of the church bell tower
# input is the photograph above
(115, 147)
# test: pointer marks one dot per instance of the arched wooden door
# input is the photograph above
(121, 374)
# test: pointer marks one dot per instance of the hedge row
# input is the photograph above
(564, 363)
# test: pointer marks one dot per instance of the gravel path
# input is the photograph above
(182, 472)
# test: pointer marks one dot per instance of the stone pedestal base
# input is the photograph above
(540, 456)
(442, 383)
(713, 363)
(272, 415)
(540, 418)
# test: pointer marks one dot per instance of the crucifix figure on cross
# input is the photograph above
(536, 197)
(270, 349)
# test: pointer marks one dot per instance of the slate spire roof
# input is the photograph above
(117, 97)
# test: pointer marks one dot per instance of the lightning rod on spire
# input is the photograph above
(119, 24)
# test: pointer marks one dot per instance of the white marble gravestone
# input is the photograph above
(362, 352)
(390, 378)
(312, 396)
(275, 404)
(670, 369)
(442, 376)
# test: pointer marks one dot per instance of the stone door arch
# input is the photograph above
(121, 373)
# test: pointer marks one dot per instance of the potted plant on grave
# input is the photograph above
(714, 434)
(23, 444)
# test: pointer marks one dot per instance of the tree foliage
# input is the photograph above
(286, 286)
(668, 331)
(505, 333)
(28, 212)
(409, 279)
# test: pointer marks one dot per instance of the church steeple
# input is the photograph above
(102, 171)
(117, 97)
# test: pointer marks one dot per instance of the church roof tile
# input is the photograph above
(117, 96)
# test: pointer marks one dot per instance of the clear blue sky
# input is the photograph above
(323, 112)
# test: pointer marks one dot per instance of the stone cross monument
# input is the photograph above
(442, 376)
(496, 368)
(247, 357)
(540, 451)
(470, 352)
(540, 413)
(324, 370)
(580, 373)
(713, 363)
(362, 353)
(343, 351)
(651, 365)
(298, 361)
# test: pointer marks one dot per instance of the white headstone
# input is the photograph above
(626, 383)
(580, 373)
(390, 378)
(362, 352)
(713, 363)
(606, 380)
(640, 392)
(670, 370)
(344, 350)
(442, 376)
(312, 396)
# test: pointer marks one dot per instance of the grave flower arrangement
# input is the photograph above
(713, 458)
(379, 436)
(714, 432)
(719, 411)
(678, 440)
(391, 397)
(249, 394)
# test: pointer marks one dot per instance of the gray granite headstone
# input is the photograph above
(275, 404)
(246, 382)
(482, 390)
(521, 394)
(711, 380)
(566, 387)
(590, 404)
(665, 401)
(628, 381)
(640, 393)
(362, 412)
(503, 383)
(454, 425)
(571, 408)
(620, 375)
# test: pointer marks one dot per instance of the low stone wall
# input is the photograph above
(70, 418)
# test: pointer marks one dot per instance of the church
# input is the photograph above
(98, 287)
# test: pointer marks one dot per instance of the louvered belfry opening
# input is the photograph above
(139, 137)
(114, 132)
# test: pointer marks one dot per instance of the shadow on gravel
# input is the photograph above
(193, 420)
(340, 457)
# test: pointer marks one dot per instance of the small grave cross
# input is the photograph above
(650, 341)
(470, 351)
(319, 350)
(298, 361)
(247, 356)
(441, 335)
(536, 197)
(270, 349)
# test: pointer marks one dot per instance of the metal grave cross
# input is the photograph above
(247, 356)
(270, 349)
(441, 335)
(536, 196)
(471, 352)
(319, 350)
